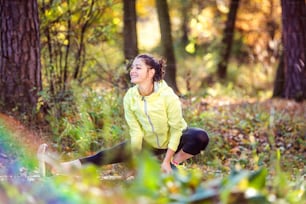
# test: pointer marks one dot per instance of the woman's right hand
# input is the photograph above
(166, 167)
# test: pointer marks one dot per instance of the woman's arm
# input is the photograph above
(136, 133)
(176, 121)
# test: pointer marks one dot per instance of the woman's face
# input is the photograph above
(141, 72)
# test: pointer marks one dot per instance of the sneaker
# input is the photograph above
(173, 166)
(178, 167)
(47, 163)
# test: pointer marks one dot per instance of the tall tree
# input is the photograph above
(185, 21)
(20, 68)
(129, 29)
(227, 40)
(167, 43)
(294, 42)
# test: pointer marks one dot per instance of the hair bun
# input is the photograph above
(158, 65)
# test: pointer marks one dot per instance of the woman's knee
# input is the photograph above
(203, 138)
(199, 137)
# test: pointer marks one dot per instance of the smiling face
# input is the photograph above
(140, 72)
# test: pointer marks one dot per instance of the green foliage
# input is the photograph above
(71, 34)
(88, 124)
(148, 180)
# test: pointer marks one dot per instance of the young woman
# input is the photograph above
(154, 115)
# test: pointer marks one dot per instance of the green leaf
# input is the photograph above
(257, 179)
(148, 179)
(230, 182)
(201, 195)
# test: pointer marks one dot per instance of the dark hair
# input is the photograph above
(158, 65)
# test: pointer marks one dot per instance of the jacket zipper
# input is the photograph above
(150, 121)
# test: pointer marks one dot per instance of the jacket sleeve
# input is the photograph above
(175, 120)
(135, 130)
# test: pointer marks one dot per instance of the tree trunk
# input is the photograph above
(185, 21)
(129, 29)
(294, 42)
(20, 69)
(227, 40)
(167, 44)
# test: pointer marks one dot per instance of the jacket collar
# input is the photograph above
(158, 86)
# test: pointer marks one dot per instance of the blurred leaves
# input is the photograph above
(88, 123)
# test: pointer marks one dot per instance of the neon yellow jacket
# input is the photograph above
(157, 119)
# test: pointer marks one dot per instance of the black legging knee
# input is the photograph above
(193, 141)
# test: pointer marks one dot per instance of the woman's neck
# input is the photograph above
(146, 89)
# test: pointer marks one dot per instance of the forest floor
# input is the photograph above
(231, 128)
(30, 139)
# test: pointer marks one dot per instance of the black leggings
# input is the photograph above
(193, 141)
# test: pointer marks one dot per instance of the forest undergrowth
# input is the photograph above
(256, 154)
